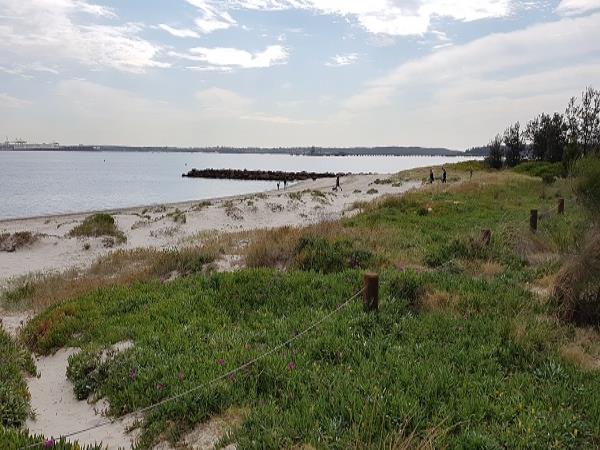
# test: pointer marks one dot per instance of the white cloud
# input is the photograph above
(47, 31)
(573, 7)
(212, 18)
(342, 60)
(392, 17)
(235, 58)
(8, 101)
(497, 55)
(178, 32)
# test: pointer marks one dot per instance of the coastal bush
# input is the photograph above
(407, 285)
(322, 255)
(99, 225)
(587, 184)
(86, 370)
(577, 286)
(547, 171)
(14, 397)
(459, 248)
(13, 242)
(178, 216)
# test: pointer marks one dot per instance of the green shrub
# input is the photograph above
(406, 285)
(86, 371)
(587, 184)
(547, 171)
(459, 248)
(99, 225)
(322, 255)
(577, 286)
(14, 397)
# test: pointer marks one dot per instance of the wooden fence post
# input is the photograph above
(371, 292)
(486, 237)
(561, 206)
(533, 220)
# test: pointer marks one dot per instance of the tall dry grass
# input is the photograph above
(577, 285)
(122, 267)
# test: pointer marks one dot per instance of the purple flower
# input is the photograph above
(49, 443)
(231, 376)
(133, 374)
(221, 362)
(291, 365)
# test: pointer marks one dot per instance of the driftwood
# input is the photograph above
(258, 175)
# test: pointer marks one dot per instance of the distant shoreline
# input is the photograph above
(294, 151)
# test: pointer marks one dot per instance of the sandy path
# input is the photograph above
(152, 227)
(58, 412)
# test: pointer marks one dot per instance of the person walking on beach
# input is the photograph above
(337, 183)
(277, 186)
(443, 175)
(284, 184)
(431, 178)
(470, 174)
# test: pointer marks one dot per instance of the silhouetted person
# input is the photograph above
(470, 174)
(277, 186)
(284, 184)
(443, 175)
(431, 178)
(337, 183)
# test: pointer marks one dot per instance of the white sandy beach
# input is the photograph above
(155, 226)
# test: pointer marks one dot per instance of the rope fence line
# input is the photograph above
(207, 383)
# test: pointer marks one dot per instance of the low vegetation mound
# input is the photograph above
(541, 169)
(13, 242)
(99, 225)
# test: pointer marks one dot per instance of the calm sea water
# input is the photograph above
(45, 183)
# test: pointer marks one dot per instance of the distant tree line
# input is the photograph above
(552, 138)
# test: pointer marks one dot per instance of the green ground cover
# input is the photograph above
(14, 398)
(461, 353)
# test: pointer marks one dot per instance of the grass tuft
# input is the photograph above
(99, 225)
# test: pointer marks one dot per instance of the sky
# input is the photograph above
(271, 73)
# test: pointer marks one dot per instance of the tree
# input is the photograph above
(589, 121)
(548, 137)
(513, 145)
(494, 159)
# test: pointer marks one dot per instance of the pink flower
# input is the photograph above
(221, 362)
(159, 386)
(291, 365)
(231, 376)
(49, 443)
(133, 374)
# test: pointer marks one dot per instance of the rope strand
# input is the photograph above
(210, 382)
